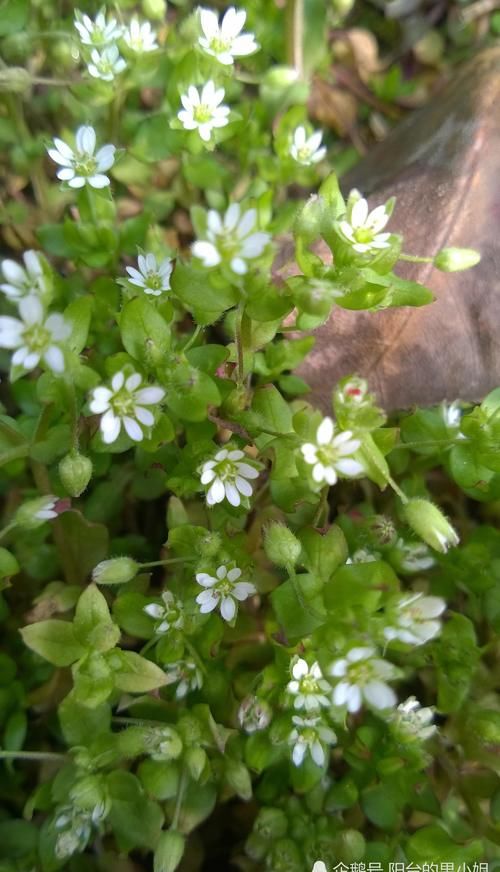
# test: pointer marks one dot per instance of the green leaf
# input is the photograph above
(195, 291)
(79, 724)
(323, 553)
(85, 545)
(13, 16)
(135, 674)
(55, 641)
(271, 410)
(145, 334)
(297, 618)
(136, 820)
(433, 844)
(93, 625)
(78, 315)
(8, 564)
(456, 656)
(380, 807)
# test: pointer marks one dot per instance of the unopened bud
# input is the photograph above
(119, 570)
(254, 714)
(155, 9)
(238, 777)
(14, 80)
(89, 793)
(75, 472)
(195, 759)
(383, 529)
(281, 85)
(430, 524)
(455, 259)
(281, 546)
(169, 851)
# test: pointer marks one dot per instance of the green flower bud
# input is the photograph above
(430, 524)
(309, 219)
(454, 259)
(271, 823)
(169, 851)
(155, 9)
(281, 86)
(342, 7)
(89, 793)
(75, 472)
(36, 512)
(281, 546)
(238, 777)
(159, 779)
(196, 759)
(119, 570)
(14, 80)
(16, 47)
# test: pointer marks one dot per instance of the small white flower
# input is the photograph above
(415, 620)
(35, 337)
(310, 735)
(415, 556)
(363, 555)
(307, 150)
(106, 64)
(167, 616)
(354, 392)
(228, 476)
(152, 276)
(308, 686)
(363, 677)
(330, 454)
(231, 238)
(98, 33)
(224, 591)
(48, 510)
(412, 721)
(187, 673)
(140, 36)
(82, 166)
(203, 110)
(21, 282)
(124, 405)
(225, 41)
(361, 228)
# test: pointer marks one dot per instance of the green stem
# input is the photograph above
(402, 496)
(238, 338)
(170, 560)
(31, 755)
(6, 530)
(295, 35)
(413, 258)
(298, 593)
(178, 801)
(193, 338)
(90, 201)
(194, 654)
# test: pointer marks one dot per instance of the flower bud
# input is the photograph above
(14, 80)
(75, 472)
(281, 546)
(281, 86)
(155, 9)
(271, 823)
(454, 259)
(119, 570)
(34, 513)
(238, 777)
(254, 714)
(383, 530)
(89, 793)
(169, 851)
(195, 759)
(430, 524)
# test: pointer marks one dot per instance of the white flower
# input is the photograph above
(362, 228)
(152, 276)
(231, 238)
(187, 673)
(413, 721)
(225, 41)
(167, 616)
(34, 513)
(203, 111)
(140, 36)
(106, 63)
(363, 555)
(306, 150)
(35, 337)
(415, 619)
(97, 33)
(82, 166)
(21, 282)
(329, 455)
(124, 405)
(415, 556)
(363, 678)
(228, 476)
(48, 510)
(224, 591)
(310, 736)
(308, 686)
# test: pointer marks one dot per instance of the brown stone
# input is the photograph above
(443, 165)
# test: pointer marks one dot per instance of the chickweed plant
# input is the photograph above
(239, 632)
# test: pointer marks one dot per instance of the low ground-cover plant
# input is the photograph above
(249, 633)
